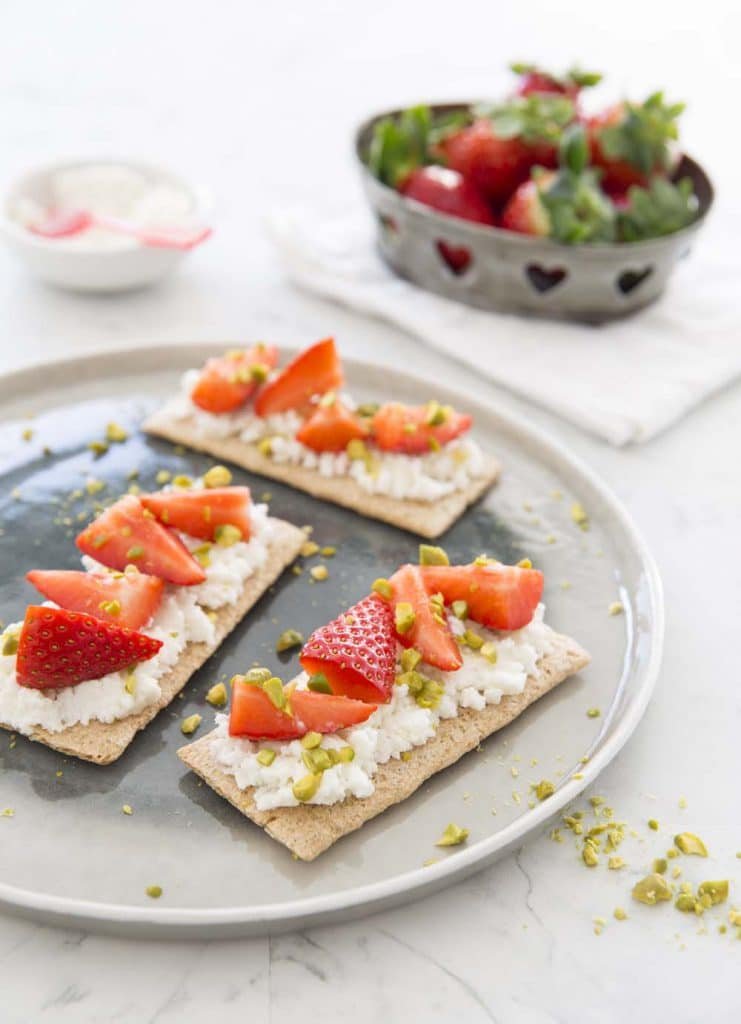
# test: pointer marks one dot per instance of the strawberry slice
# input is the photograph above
(427, 634)
(129, 599)
(331, 427)
(415, 429)
(128, 534)
(254, 716)
(356, 651)
(59, 648)
(314, 371)
(498, 596)
(227, 381)
(200, 513)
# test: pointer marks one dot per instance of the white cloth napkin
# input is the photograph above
(624, 381)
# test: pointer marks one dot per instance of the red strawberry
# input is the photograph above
(254, 716)
(314, 371)
(58, 648)
(534, 79)
(498, 596)
(493, 165)
(525, 212)
(200, 513)
(448, 192)
(356, 652)
(431, 637)
(331, 427)
(416, 429)
(228, 381)
(128, 534)
(129, 599)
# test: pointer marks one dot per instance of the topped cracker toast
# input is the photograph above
(393, 690)
(415, 467)
(166, 577)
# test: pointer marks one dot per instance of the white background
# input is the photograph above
(258, 101)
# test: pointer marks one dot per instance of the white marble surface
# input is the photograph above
(258, 101)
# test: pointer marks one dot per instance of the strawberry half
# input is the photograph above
(129, 599)
(200, 513)
(227, 381)
(431, 637)
(356, 652)
(128, 534)
(314, 371)
(447, 191)
(331, 427)
(59, 648)
(416, 429)
(254, 716)
(498, 596)
(525, 212)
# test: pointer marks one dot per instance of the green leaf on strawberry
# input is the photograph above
(539, 117)
(574, 77)
(402, 144)
(643, 133)
(577, 208)
(661, 209)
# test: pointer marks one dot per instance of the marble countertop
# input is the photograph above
(260, 107)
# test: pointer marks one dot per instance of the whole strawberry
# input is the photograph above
(534, 79)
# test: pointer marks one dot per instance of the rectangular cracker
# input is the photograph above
(104, 742)
(426, 519)
(310, 829)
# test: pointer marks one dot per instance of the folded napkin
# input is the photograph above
(623, 381)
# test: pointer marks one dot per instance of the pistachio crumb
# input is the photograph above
(217, 476)
(404, 617)
(288, 639)
(660, 865)
(189, 725)
(217, 695)
(589, 855)
(306, 787)
(616, 608)
(453, 835)
(153, 891)
(429, 554)
(319, 573)
(653, 824)
(163, 476)
(266, 756)
(579, 516)
(593, 712)
(619, 914)
(115, 433)
(651, 890)
(690, 844)
(544, 789)
(127, 809)
(328, 551)
(615, 863)
(309, 548)
(8, 812)
(318, 683)
(383, 588)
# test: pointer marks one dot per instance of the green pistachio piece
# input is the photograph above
(481, 560)
(289, 638)
(153, 891)
(274, 689)
(686, 902)
(660, 865)
(404, 617)
(182, 480)
(652, 889)
(217, 476)
(202, 554)
(356, 449)
(410, 658)
(258, 372)
(716, 891)
(489, 651)
(431, 694)
(383, 588)
(431, 555)
(544, 789)
(226, 535)
(619, 914)
(589, 855)
(319, 573)
(306, 787)
(137, 551)
(414, 681)
(308, 548)
(367, 409)
(110, 607)
(460, 609)
(344, 755)
(436, 414)
(453, 835)
(472, 640)
(256, 676)
(328, 551)
(115, 433)
(579, 516)
(189, 725)
(311, 740)
(318, 683)
(265, 446)
(317, 761)
(10, 644)
(217, 695)
(163, 477)
(266, 756)
(690, 844)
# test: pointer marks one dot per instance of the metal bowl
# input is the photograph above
(496, 269)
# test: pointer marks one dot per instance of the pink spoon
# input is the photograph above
(67, 223)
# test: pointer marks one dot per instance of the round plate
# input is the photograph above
(68, 854)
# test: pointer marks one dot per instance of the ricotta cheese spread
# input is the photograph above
(394, 728)
(181, 619)
(425, 477)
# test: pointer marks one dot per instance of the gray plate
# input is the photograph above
(70, 856)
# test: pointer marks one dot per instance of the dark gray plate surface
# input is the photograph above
(69, 855)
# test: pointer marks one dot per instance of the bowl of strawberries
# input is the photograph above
(532, 204)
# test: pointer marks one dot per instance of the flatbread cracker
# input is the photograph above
(426, 519)
(104, 742)
(310, 829)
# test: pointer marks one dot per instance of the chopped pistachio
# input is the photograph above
(367, 409)
(615, 863)
(154, 891)
(311, 740)
(27, 434)
(653, 824)
(163, 476)
(127, 809)
(525, 563)
(328, 551)
(137, 551)
(431, 555)
(217, 476)
(404, 617)
(189, 725)
(383, 588)
(296, 570)
(593, 712)
(98, 447)
(217, 695)
(227, 535)
(316, 761)
(309, 548)
(10, 644)
(619, 914)
(406, 755)
(306, 787)
(431, 693)
(342, 756)
(460, 609)
(687, 903)
(130, 682)
(318, 683)
(115, 433)
(690, 844)
(319, 573)
(453, 835)
(265, 757)
(672, 853)
(716, 891)
(258, 372)
(579, 516)
(275, 691)
(436, 414)
(256, 676)
(682, 803)
(182, 480)
(660, 865)
(489, 651)
(357, 451)
(544, 789)
(652, 889)
(110, 607)
(202, 554)
(481, 560)
(589, 855)
(7, 812)
(288, 639)
(410, 658)
(265, 446)
(472, 640)
(616, 608)
(93, 486)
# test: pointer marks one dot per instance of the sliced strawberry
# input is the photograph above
(59, 648)
(448, 192)
(314, 371)
(416, 429)
(128, 534)
(432, 638)
(498, 596)
(525, 212)
(129, 599)
(356, 652)
(227, 381)
(331, 427)
(199, 513)
(254, 716)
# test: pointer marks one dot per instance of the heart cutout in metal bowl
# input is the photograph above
(629, 280)
(544, 279)
(457, 258)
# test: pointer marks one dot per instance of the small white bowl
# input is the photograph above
(112, 266)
